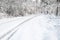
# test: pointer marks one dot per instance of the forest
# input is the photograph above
(14, 8)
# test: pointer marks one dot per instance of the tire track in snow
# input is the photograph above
(15, 28)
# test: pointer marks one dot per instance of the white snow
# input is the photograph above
(35, 27)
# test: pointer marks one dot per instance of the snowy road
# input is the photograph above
(41, 27)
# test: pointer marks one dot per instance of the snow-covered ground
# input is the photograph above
(34, 27)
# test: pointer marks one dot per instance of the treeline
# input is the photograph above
(26, 7)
